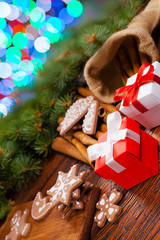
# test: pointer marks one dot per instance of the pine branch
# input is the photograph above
(42, 145)
(4, 203)
(23, 169)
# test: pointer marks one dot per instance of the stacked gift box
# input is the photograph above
(125, 153)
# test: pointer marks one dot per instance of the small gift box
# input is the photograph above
(141, 96)
(125, 154)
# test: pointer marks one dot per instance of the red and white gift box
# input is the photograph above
(141, 96)
(125, 154)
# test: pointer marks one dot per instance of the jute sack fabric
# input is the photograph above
(100, 73)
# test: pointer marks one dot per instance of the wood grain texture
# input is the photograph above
(77, 227)
(140, 218)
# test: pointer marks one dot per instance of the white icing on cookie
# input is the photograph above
(75, 113)
(110, 211)
(100, 216)
(112, 196)
(90, 120)
(102, 202)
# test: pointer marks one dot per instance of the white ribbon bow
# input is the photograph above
(113, 135)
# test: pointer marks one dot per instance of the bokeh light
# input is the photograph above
(2, 23)
(5, 70)
(42, 44)
(54, 25)
(3, 109)
(75, 8)
(5, 9)
(37, 17)
(46, 6)
(14, 14)
(23, 4)
(20, 40)
(27, 30)
(64, 15)
(13, 54)
(20, 78)
(6, 87)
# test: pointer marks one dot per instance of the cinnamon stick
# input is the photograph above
(79, 97)
(101, 112)
(60, 119)
(61, 145)
(143, 58)
(120, 70)
(75, 127)
(118, 106)
(105, 117)
(108, 107)
(85, 92)
(58, 128)
(82, 149)
(125, 61)
(98, 134)
(84, 138)
(103, 127)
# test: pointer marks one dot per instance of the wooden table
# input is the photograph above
(140, 218)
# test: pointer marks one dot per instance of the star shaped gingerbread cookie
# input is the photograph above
(61, 192)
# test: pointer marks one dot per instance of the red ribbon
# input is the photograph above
(129, 93)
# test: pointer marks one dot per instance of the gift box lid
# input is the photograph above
(148, 94)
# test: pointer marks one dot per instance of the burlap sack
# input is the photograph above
(100, 73)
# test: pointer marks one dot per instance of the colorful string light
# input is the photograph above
(27, 30)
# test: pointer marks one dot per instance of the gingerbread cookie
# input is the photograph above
(108, 209)
(90, 121)
(62, 192)
(65, 184)
(75, 113)
(76, 194)
(19, 226)
(76, 204)
(40, 207)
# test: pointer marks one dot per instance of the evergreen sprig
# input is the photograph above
(26, 134)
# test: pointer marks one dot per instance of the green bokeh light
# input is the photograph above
(13, 54)
(9, 39)
(37, 18)
(20, 79)
(20, 40)
(5, 39)
(75, 8)
(32, 5)
(2, 23)
(53, 37)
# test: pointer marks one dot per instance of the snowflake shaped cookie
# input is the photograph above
(65, 184)
(75, 113)
(107, 208)
(64, 189)
(19, 225)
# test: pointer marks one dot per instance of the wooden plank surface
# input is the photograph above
(78, 227)
(140, 218)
